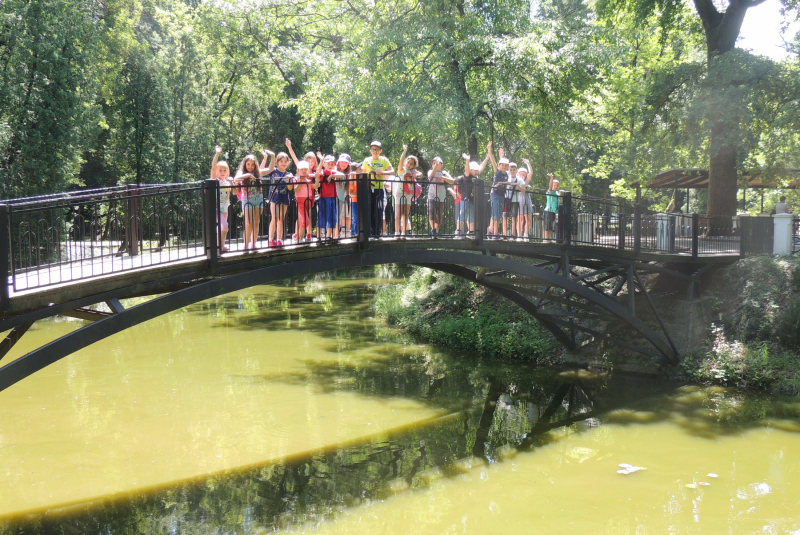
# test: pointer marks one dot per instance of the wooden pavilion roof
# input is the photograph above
(698, 179)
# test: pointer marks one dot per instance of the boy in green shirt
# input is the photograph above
(380, 166)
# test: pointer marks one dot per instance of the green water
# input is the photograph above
(285, 408)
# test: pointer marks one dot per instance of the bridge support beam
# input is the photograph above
(579, 294)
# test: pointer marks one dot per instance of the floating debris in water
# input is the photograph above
(711, 474)
(629, 468)
(704, 483)
(691, 486)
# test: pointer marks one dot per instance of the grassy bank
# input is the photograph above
(756, 342)
(441, 309)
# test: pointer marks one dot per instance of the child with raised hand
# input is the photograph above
(497, 193)
(404, 191)
(304, 190)
(222, 173)
(437, 192)
(279, 180)
(248, 177)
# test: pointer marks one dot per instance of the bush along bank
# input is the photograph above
(438, 308)
(757, 340)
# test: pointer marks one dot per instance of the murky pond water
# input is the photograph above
(284, 408)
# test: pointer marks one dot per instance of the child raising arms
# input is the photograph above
(221, 173)
(248, 176)
(279, 181)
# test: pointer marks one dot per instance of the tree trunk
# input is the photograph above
(722, 30)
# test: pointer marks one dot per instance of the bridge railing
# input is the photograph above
(55, 239)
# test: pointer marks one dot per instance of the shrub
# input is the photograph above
(788, 325)
(454, 313)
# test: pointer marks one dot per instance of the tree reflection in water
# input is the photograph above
(493, 407)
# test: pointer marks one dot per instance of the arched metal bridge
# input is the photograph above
(61, 254)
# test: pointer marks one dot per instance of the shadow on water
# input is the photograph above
(495, 409)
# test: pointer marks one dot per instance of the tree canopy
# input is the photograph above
(603, 94)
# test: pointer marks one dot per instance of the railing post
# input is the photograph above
(637, 228)
(743, 233)
(364, 208)
(566, 221)
(480, 211)
(210, 238)
(131, 230)
(695, 234)
(5, 255)
(672, 229)
(621, 230)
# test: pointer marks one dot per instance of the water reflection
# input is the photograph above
(498, 416)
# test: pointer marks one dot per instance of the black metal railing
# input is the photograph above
(55, 239)
(58, 239)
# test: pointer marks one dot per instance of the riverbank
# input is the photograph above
(438, 308)
(744, 331)
(755, 339)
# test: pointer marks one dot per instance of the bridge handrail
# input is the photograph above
(51, 239)
(92, 193)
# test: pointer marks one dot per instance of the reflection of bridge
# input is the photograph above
(64, 253)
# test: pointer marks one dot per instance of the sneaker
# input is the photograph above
(271, 243)
(294, 238)
(435, 234)
(309, 238)
(279, 243)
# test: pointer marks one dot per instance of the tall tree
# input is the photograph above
(721, 28)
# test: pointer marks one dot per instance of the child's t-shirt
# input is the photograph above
(327, 187)
(437, 191)
(278, 181)
(499, 176)
(380, 164)
(465, 185)
(303, 189)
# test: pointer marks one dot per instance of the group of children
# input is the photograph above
(328, 183)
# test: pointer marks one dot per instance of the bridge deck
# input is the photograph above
(59, 282)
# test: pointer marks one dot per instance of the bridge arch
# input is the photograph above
(453, 262)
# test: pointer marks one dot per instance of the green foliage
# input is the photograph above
(141, 90)
(760, 337)
(758, 364)
(761, 289)
(453, 313)
(787, 329)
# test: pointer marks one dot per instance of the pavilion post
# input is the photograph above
(695, 234)
(637, 227)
